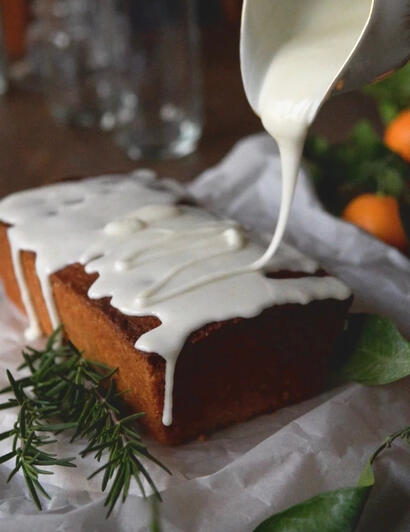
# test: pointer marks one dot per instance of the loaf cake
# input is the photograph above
(165, 292)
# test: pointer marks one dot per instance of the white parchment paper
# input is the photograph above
(243, 474)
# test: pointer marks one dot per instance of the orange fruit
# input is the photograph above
(397, 135)
(378, 215)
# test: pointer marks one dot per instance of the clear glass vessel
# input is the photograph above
(85, 44)
(163, 73)
(132, 65)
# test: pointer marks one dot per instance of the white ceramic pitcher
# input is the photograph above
(383, 47)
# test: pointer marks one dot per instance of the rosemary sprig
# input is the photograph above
(28, 443)
(65, 391)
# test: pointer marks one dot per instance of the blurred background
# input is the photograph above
(98, 86)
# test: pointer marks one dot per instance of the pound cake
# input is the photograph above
(148, 283)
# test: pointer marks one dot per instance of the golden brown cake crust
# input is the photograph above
(227, 371)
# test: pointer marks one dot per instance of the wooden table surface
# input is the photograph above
(35, 150)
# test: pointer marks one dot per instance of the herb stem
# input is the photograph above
(65, 391)
(400, 434)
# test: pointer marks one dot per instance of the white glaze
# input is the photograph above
(178, 263)
(311, 41)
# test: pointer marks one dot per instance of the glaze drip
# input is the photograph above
(152, 256)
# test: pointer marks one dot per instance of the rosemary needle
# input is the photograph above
(65, 391)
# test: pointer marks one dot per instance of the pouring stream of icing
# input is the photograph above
(293, 52)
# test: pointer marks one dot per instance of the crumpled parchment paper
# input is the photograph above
(243, 474)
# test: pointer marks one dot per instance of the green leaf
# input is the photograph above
(7, 434)
(155, 524)
(57, 427)
(15, 387)
(10, 404)
(392, 94)
(132, 417)
(32, 490)
(54, 338)
(335, 511)
(7, 457)
(366, 479)
(388, 111)
(380, 354)
(390, 181)
(364, 135)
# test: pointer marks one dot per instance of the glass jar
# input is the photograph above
(163, 73)
(84, 46)
(132, 65)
